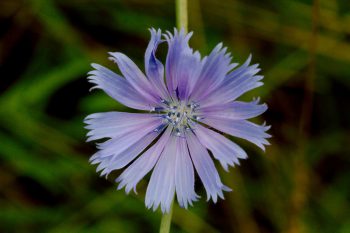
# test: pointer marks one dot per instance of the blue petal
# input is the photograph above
(118, 151)
(140, 167)
(223, 149)
(135, 76)
(153, 67)
(235, 110)
(189, 69)
(161, 187)
(205, 168)
(117, 88)
(115, 124)
(241, 128)
(184, 175)
(215, 68)
(178, 48)
(234, 85)
(120, 159)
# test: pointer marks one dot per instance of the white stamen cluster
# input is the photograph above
(179, 114)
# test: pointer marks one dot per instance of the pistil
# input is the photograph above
(179, 115)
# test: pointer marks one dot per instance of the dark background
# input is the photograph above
(300, 184)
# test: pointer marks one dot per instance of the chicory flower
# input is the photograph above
(187, 107)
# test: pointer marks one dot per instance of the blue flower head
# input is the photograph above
(188, 105)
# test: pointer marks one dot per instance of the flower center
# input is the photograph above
(180, 115)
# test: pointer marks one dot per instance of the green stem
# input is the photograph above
(181, 14)
(166, 221)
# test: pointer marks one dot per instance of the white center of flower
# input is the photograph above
(180, 115)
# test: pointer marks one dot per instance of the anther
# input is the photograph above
(197, 118)
(164, 102)
(178, 133)
(158, 109)
(159, 128)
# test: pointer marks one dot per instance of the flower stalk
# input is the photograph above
(166, 221)
(181, 15)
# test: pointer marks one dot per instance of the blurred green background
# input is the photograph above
(301, 183)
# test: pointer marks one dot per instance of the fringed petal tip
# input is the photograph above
(95, 66)
(155, 33)
(248, 60)
(263, 142)
(219, 194)
(114, 56)
(122, 184)
(178, 34)
(185, 203)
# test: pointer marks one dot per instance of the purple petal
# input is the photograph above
(135, 76)
(243, 129)
(112, 152)
(115, 124)
(189, 68)
(234, 85)
(161, 187)
(242, 69)
(154, 68)
(140, 167)
(118, 161)
(223, 149)
(205, 168)
(118, 88)
(215, 68)
(178, 47)
(184, 175)
(236, 110)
